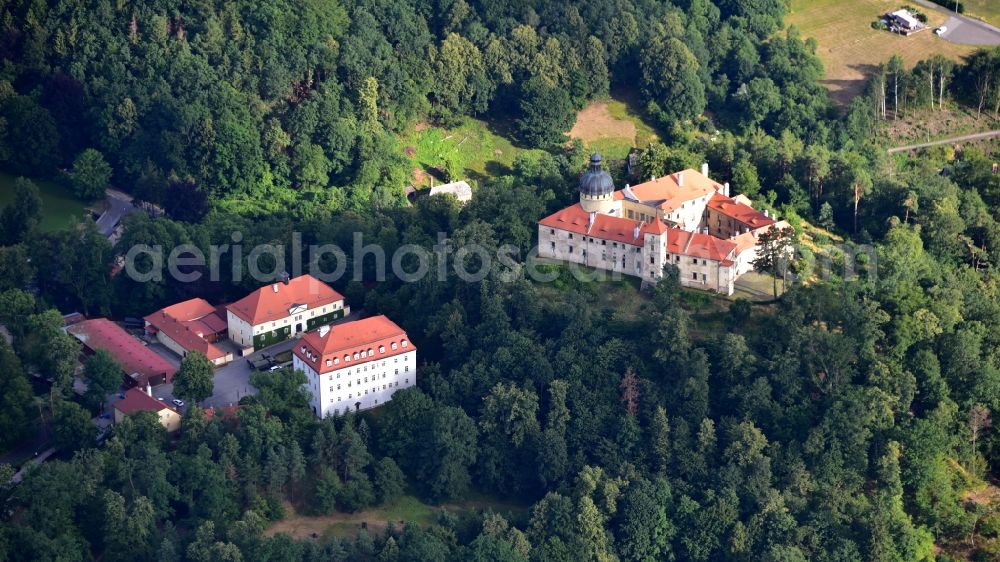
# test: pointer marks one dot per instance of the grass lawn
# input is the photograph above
(405, 510)
(850, 49)
(59, 207)
(614, 125)
(478, 148)
(986, 10)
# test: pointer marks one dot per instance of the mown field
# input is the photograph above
(850, 49)
(986, 10)
(59, 208)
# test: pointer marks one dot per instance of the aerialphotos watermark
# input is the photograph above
(266, 263)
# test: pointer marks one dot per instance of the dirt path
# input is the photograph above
(304, 526)
(963, 138)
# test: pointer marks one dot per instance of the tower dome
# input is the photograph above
(595, 182)
(597, 188)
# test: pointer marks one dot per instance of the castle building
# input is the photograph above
(684, 219)
(355, 365)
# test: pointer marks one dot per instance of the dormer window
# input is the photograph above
(357, 355)
(370, 352)
(347, 358)
(329, 362)
(336, 361)
(394, 345)
(381, 349)
(405, 343)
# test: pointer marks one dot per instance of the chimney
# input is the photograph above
(635, 231)
(652, 178)
(590, 221)
(285, 277)
(704, 169)
(324, 330)
(149, 389)
(680, 179)
(725, 189)
(765, 213)
(275, 287)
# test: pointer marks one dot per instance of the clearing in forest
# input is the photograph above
(405, 510)
(60, 208)
(612, 126)
(851, 49)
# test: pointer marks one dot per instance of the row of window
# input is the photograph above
(375, 377)
(363, 354)
(374, 389)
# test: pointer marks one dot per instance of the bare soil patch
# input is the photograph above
(595, 122)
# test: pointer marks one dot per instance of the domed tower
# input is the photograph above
(596, 188)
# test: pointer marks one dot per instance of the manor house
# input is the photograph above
(684, 219)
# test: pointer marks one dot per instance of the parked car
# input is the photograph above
(275, 368)
(941, 30)
(178, 403)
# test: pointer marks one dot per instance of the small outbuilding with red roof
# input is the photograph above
(192, 325)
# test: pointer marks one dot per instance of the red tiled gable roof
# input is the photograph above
(189, 323)
(101, 333)
(189, 335)
(372, 336)
(699, 245)
(136, 400)
(667, 194)
(272, 302)
(739, 211)
(605, 227)
(187, 310)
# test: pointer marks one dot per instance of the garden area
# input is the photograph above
(613, 126)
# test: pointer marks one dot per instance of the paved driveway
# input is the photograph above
(965, 30)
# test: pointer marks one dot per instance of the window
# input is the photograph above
(394, 345)
(405, 343)
(552, 245)
(650, 259)
(338, 387)
(347, 358)
(329, 362)
(336, 361)
(604, 242)
(381, 349)
(397, 371)
(694, 276)
(407, 369)
(356, 355)
(571, 249)
(703, 277)
(552, 231)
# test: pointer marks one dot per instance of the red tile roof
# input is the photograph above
(136, 400)
(190, 323)
(273, 301)
(372, 336)
(189, 335)
(130, 353)
(739, 211)
(667, 194)
(700, 245)
(605, 227)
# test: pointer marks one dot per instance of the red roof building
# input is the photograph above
(192, 325)
(281, 310)
(138, 400)
(140, 364)
(355, 365)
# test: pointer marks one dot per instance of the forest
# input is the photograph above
(849, 420)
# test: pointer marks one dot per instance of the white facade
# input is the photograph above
(242, 333)
(357, 385)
